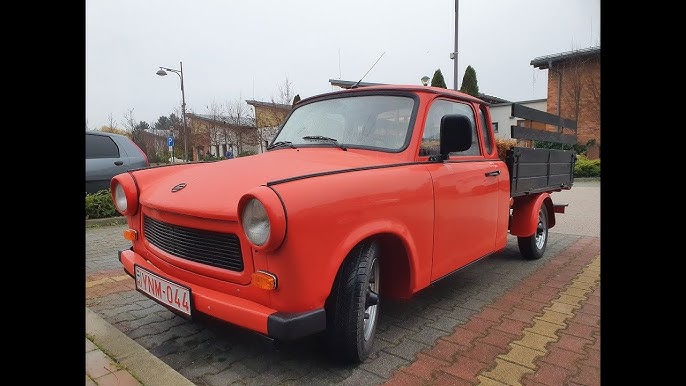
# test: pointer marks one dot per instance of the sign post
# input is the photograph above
(170, 143)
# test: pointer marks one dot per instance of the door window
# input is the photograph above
(430, 139)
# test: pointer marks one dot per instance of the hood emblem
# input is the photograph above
(178, 187)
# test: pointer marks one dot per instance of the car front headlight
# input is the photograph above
(120, 198)
(256, 222)
(262, 216)
(124, 194)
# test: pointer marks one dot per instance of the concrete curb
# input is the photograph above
(147, 368)
(105, 221)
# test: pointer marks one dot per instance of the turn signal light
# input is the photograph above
(264, 280)
(130, 234)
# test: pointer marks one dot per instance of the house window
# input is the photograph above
(495, 127)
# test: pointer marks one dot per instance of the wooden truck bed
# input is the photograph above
(539, 170)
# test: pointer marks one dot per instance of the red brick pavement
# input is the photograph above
(562, 298)
(107, 282)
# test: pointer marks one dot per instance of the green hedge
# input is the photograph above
(585, 167)
(100, 205)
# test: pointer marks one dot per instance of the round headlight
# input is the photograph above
(124, 194)
(256, 222)
(120, 198)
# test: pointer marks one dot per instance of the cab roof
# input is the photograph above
(401, 87)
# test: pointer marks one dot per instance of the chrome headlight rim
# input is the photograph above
(275, 211)
(124, 194)
(120, 201)
(256, 223)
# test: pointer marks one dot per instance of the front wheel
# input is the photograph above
(532, 247)
(352, 311)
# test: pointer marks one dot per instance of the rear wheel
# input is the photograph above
(533, 247)
(352, 310)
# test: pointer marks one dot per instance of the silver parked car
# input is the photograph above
(108, 154)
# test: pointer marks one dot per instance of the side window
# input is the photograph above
(484, 131)
(430, 139)
(100, 146)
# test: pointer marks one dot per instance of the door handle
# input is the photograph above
(119, 163)
(493, 174)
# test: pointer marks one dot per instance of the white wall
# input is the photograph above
(500, 113)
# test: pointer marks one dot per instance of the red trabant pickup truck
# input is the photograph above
(364, 194)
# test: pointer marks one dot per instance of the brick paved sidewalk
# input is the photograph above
(544, 331)
(499, 321)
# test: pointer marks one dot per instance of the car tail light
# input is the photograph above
(147, 163)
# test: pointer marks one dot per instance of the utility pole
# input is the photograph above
(453, 55)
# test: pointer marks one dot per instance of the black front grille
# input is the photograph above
(222, 250)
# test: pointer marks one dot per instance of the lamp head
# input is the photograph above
(161, 72)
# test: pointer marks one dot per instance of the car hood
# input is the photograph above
(212, 189)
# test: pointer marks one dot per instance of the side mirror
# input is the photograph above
(456, 134)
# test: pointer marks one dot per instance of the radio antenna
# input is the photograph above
(365, 74)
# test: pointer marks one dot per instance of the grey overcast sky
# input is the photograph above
(246, 49)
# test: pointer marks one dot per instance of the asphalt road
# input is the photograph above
(582, 216)
(210, 353)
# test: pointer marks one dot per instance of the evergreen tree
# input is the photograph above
(437, 80)
(469, 84)
(138, 135)
(296, 99)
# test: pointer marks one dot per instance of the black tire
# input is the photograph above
(352, 310)
(533, 247)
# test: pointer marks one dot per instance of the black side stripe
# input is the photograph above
(305, 176)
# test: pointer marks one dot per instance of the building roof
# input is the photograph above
(346, 84)
(545, 62)
(279, 106)
(225, 119)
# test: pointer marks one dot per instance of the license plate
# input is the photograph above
(164, 291)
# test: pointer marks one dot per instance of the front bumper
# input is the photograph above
(239, 311)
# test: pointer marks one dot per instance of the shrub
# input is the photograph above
(585, 167)
(100, 205)
(503, 145)
(246, 153)
(157, 159)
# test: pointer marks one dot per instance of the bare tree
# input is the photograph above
(111, 122)
(243, 122)
(581, 91)
(573, 74)
(214, 131)
(129, 122)
(286, 93)
(593, 107)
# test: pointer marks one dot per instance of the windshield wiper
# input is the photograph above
(281, 144)
(325, 139)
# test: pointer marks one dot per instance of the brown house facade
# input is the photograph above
(268, 117)
(574, 93)
(213, 135)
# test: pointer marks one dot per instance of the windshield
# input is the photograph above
(368, 121)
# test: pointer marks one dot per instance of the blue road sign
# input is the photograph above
(170, 141)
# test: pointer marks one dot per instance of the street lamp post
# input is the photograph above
(163, 72)
(453, 55)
